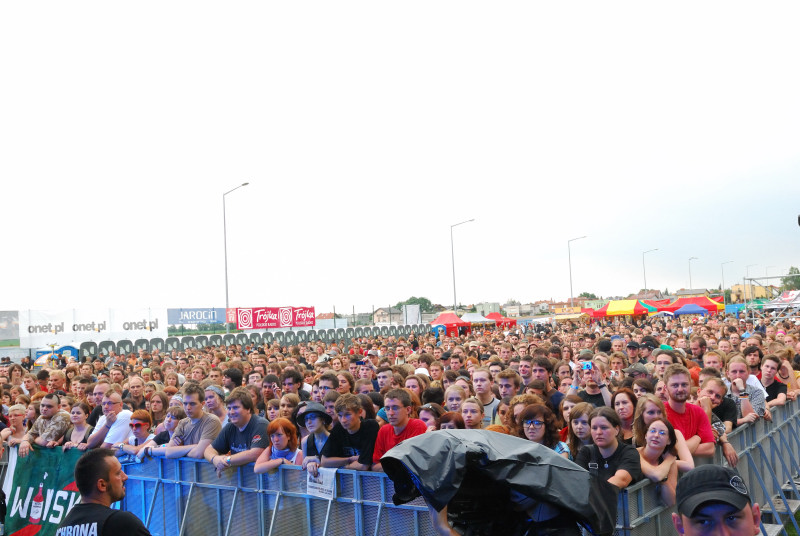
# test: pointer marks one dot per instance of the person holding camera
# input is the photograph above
(592, 375)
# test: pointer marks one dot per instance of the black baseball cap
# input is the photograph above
(710, 483)
(633, 344)
(647, 344)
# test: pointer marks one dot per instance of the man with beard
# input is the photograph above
(101, 482)
(690, 419)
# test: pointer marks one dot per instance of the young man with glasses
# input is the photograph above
(113, 426)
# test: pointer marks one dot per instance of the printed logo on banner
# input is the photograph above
(285, 316)
(244, 318)
(304, 316)
(230, 316)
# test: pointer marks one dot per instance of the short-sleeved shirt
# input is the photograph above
(101, 520)
(120, 429)
(252, 436)
(625, 457)
(191, 433)
(343, 444)
(50, 429)
(387, 439)
(596, 400)
(774, 389)
(489, 411)
(727, 411)
(692, 422)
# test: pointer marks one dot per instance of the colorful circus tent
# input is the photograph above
(624, 307)
(712, 306)
(502, 320)
(451, 323)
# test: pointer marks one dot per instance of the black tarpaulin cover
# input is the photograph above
(434, 464)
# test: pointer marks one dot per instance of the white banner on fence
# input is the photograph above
(323, 485)
(38, 328)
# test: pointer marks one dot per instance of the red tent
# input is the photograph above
(501, 320)
(451, 323)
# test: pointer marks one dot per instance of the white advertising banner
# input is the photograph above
(38, 328)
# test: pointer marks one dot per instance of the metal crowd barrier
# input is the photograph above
(185, 497)
(769, 462)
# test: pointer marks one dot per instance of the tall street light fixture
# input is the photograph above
(225, 239)
(690, 271)
(569, 257)
(453, 259)
(644, 272)
(722, 267)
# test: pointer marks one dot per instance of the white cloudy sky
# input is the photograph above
(366, 129)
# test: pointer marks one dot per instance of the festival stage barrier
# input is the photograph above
(173, 342)
(184, 496)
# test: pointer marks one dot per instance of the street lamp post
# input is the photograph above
(722, 267)
(690, 271)
(569, 258)
(453, 259)
(644, 272)
(225, 240)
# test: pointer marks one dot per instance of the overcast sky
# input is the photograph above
(366, 129)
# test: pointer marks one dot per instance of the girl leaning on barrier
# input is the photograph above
(282, 449)
(658, 458)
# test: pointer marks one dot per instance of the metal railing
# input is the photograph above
(185, 496)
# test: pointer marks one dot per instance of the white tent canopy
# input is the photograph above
(476, 318)
(789, 299)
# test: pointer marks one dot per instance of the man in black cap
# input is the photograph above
(712, 499)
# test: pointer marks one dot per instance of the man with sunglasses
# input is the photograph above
(48, 427)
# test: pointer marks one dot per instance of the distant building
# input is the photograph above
(511, 310)
(750, 292)
(325, 316)
(596, 304)
(647, 295)
(691, 293)
(387, 315)
(487, 307)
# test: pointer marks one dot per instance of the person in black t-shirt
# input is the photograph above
(608, 458)
(352, 440)
(101, 482)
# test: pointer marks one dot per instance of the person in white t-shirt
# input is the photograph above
(113, 427)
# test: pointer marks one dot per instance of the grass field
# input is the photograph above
(9, 342)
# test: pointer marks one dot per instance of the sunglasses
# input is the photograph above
(137, 425)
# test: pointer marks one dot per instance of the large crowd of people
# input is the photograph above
(625, 399)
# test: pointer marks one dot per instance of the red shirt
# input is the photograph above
(387, 438)
(692, 422)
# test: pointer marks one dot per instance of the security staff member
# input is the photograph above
(101, 482)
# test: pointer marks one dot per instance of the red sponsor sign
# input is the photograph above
(274, 317)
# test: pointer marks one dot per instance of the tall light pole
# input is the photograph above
(453, 259)
(644, 272)
(690, 271)
(225, 240)
(569, 257)
(722, 267)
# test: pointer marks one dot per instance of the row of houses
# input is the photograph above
(393, 315)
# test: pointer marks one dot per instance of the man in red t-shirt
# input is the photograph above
(397, 404)
(690, 419)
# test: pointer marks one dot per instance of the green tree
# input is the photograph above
(425, 304)
(791, 281)
(588, 295)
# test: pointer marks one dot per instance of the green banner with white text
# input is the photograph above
(42, 493)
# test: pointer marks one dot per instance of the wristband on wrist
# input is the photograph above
(601, 386)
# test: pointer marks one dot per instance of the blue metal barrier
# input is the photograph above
(185, 496)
